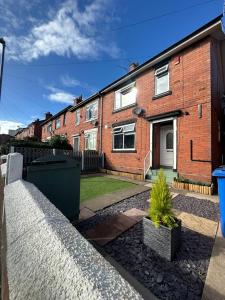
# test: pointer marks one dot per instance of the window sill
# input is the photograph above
(124, 151)
(91, 120)
(124, 108)
(162, 95)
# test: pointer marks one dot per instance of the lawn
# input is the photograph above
(94, 186)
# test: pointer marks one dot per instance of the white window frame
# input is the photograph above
(88, 107)
(118, 96)
(49, 124)
(159, 72)
(77, 119)
(76, 137)
(120, 129)
(59, 124)
(93, 131)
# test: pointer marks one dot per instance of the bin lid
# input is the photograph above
(219, 172)
(48, 160)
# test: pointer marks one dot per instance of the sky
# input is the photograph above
(57, 50)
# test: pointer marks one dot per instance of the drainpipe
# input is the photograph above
(101, 117)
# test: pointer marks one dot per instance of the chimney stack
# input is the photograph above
(78, 100)
(48, 115)
(133, 66)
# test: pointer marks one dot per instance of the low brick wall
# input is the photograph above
(47, 258)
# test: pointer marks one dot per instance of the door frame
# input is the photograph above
(174, 119)
(75, 137)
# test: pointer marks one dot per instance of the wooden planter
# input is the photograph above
(206, 190)
(163, 240)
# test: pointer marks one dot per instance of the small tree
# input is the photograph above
(60, 142)
(160, 211)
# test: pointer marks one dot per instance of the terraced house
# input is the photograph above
(165, 113)
(78, 123)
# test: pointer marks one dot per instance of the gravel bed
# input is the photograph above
(181, 279)
(199, 207)
(139, 201)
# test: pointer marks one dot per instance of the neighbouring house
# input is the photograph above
(78, 123)
(55, 125)
(165, 113)
(84, 120)
(33, 130)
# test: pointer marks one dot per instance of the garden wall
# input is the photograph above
(47, 258)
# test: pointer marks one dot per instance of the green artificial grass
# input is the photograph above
(94, 186)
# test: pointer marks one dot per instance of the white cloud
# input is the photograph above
(70, 82)
(6, 125)
(70, 31)
(59, 95)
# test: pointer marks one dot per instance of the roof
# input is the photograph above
(56, 115)
(206, 30)
(92, 97)
(165, 54)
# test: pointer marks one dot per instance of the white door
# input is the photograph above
(76, 143)
(166, 146)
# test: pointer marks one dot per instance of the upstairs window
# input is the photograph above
(124, 137)
(77, 117)
(92, 111)
(162, 80)
(57, 123)
(49, 127)
(125, 96)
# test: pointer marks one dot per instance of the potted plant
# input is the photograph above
(161, 229)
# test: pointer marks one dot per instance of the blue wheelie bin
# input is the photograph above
(220, 174)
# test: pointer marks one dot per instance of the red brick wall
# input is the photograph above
(190, 86)
(34, 130)
(70, 129)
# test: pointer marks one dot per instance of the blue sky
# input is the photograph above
(57, 50)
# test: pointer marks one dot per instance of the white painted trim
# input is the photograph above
(91, 130)
(74, 137)
(174, 143)
(151, 142)
(174, 119)
(163, 120)
(174, 50)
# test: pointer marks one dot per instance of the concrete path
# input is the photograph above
(112, 198)
(215, 281)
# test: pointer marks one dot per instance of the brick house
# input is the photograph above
(168, 112)
(55, 125)
(79, 123)
(33, 130)
(84, 130)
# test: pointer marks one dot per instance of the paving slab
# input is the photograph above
(112, 198)
(201, 225)
(135, 214)
(85, 213)
(214, 285)
(110, 229)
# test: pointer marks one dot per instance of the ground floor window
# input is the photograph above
(90, 140)
(124, 137)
